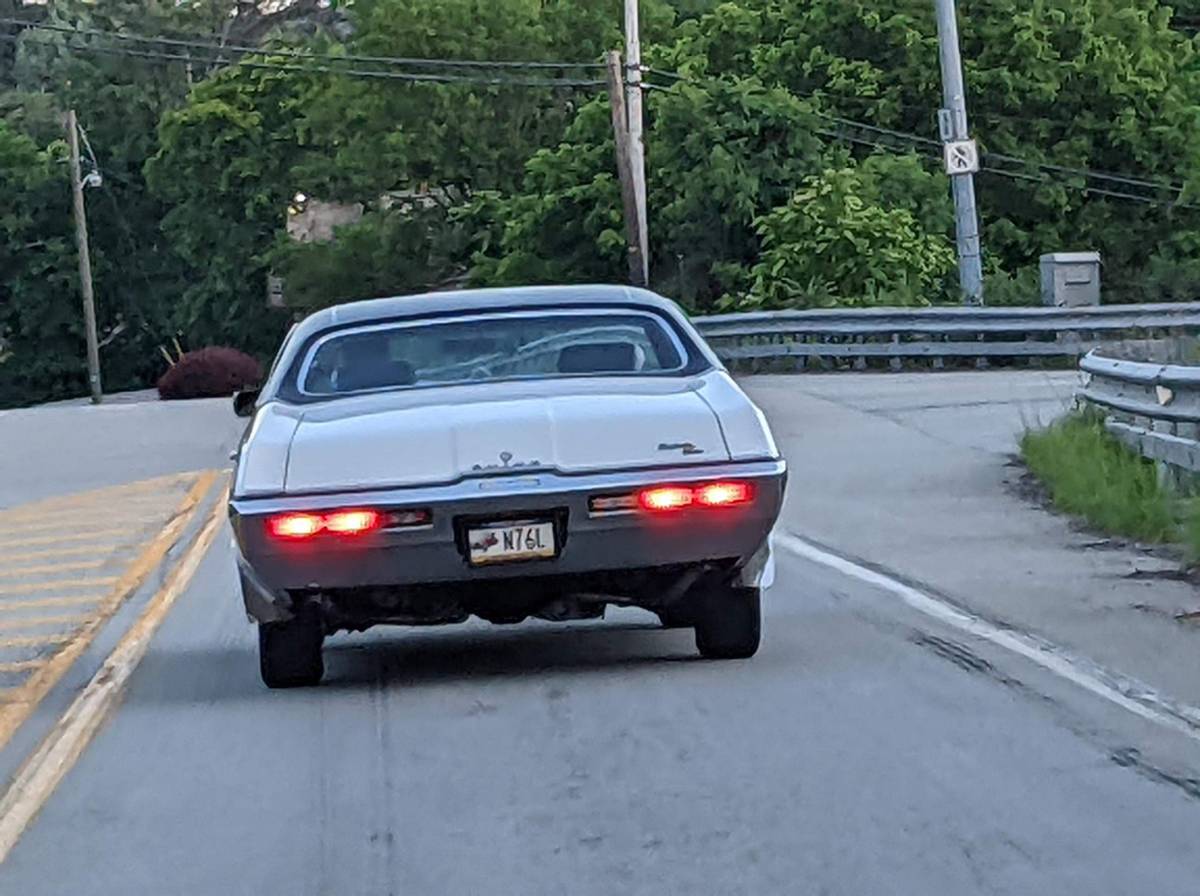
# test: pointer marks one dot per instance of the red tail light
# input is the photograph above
(353, 522)
(666, 497)
(338, 522)
(295, 525)
(724, 494)
(678, 497)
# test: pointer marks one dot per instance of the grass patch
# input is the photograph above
(1090, 474)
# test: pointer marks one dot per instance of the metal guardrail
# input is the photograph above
(825, 337)
(1152, 408)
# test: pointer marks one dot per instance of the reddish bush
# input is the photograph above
(209, 373)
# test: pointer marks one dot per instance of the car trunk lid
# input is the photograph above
(403, 439)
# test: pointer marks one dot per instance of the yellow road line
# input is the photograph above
(66, 536)
(82, 551)
(78, 499)
(127, 520)
(35, 621)
(57, 754)
(92, 510)
(58, 584)
(36, 641)
(21, 665)
(9, 605)
(17, 572)
(39, 683)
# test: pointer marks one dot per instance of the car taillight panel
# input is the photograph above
(299, 525)
(295, 525)
(667, 498)
(724, 494)
(353, 522)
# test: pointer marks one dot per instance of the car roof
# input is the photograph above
(481, 300)
(470, 300)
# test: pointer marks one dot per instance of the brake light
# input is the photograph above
(295, 525)
(352, 522)
(678, 497)
(724, 494)
(337, 522)
(666, 497)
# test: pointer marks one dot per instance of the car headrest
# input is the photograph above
(601, 357)
(376, 374)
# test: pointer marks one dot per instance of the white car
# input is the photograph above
(506, 453)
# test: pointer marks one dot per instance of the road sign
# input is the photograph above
(275, 296)
(962, 157)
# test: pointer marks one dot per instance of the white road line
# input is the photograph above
(1127, 693)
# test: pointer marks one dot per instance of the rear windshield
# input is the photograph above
(490, 347)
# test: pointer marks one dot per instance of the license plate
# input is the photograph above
(506, 542)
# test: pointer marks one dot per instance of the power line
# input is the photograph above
(500, 81)
(303, 54)
(1001, 157)
(1002, 172)
(161, 58)
(87, 145)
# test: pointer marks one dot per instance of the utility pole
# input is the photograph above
(85, 261)
(637, 146)
(962, 158)
(620, 121)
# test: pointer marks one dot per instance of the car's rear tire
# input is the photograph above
(289, 653)
(728, 622)
(678, 615)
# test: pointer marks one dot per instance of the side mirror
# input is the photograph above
(244, 401)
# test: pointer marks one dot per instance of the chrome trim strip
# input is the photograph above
(523, 484)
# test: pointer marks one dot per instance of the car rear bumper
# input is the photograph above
(434, 554)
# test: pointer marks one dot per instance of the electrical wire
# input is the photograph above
(87, 145)
(1016, 175)
(1001, 157)
(304, 54)
(523, 82)
(1094, 174)
(505, 81)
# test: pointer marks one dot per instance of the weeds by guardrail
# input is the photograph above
(838, 338)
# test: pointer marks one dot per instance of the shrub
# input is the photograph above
(209, 373)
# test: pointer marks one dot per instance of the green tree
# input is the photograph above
(720, 154)
(224, 167)
(834, 243)
(41, 330)
(1081, 84)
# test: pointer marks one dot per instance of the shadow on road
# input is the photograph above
(419, 657)
(416, 657)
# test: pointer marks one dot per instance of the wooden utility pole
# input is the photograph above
(616, 96)
(85, 261)
(637, 147)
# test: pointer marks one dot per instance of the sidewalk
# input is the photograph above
(913, 473)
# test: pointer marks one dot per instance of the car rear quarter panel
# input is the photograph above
(262, 457)
(747, 433)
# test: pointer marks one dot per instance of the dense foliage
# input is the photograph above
(792, 157)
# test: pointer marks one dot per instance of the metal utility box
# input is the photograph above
(1071, 279)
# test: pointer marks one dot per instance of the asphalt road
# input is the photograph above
(867, 749)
